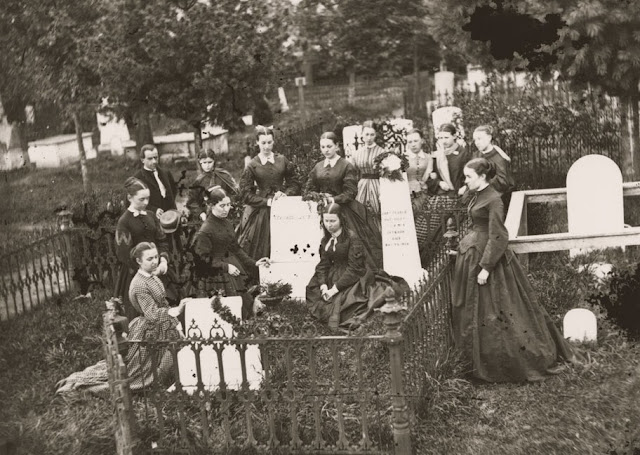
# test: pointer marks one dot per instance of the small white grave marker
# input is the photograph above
(399, 242)
(580, 324)
(594, 198)
(295, 242)
(349, 134)
(200, 311)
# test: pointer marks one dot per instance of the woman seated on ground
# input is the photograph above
(155, 321)
(211, 176)
(504, 333)
(343, 291)
(334, 179)
(220, 262)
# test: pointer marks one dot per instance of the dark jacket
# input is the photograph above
(156, 201)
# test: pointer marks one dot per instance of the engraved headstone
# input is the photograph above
(295, 241)
(399, 242)
(594, 198)
(198, 313)
(581, 325)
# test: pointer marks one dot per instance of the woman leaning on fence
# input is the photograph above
(155, 321)
(134, 226)
(268, 177)
(498, 324)
(334, 179)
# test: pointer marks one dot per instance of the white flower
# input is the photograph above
(392, 163)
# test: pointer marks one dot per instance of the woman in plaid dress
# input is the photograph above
(156, 321)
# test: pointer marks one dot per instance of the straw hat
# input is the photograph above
(170, 220)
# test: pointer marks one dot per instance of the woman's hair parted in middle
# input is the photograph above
(216, 194)
(482, 166)
(133, 185)
(331, 136)
(136, 251)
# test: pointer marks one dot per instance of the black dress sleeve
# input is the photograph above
(349, 185)
(248, 190)
(498, 236)
(355, 265)
(195, 202)
(161, 240)
(124, 240)
(323, 266)
(311, 185)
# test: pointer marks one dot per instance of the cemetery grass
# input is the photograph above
(587, 409)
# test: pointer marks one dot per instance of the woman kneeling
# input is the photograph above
(344, 291)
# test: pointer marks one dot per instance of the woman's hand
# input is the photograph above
(327, 295)
(444, 186)
(177, 310)
(233, 270)
(483, 276)
(462, 190)
(162, 267)
(328, 199)
(278, 195)
(263, 262)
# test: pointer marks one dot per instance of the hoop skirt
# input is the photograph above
(502, 330)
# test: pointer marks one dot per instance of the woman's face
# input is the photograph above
(207, 164)
(482, 140)
(446, 139)
(331, 222)
(473, 180)
(149, 260)
(221, 209)
(265, 143)
(414, 143)
(328, 148)
(368, 135)
(140, 200)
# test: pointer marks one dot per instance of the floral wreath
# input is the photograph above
(319, 198)
(391, 165)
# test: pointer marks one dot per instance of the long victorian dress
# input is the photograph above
(339, 178)
(360, 288)
(144, 365)
(260, 182)
(197, 191)
(502, 330)
(363, 159)
(134, 227)
(215, 247)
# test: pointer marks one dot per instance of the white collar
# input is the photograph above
(331, 162)
(337, 234)
(137, 212)
(145, 274)
(269, 159)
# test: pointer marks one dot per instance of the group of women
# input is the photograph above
(497, 322)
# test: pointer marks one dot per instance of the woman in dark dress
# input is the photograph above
(504, 333)
(210, 176)
(154, 321)
(134, 226)
(343, 292)
(220, 262)
(336, 180)
(268, 177)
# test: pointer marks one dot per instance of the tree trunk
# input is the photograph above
(351, 97)
(197, 136)
(142, 121)
(417, 100)
(86, 183)
(630, 136)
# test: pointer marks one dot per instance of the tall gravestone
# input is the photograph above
(399, 242)
(580, 325)
(295, 242)
(594, 198)
(200, 313)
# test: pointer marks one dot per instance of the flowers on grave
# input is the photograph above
(274, 292)
(223, 311)
(319, 198)
(391, 165)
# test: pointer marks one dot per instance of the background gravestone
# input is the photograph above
(594, 198)
(200, 311)
(349, 134)
(581, 325)
(295, 242)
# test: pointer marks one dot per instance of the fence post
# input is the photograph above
(125, 434)
(392, 312)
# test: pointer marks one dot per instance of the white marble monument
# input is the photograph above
(399, 242)
(200, 312)
(594, 198)
(295, 242)
(580, 325)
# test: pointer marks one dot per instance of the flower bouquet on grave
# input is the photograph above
(274, 293)
(319, 198)
(391, 165)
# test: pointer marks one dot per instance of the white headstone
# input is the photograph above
(349, 135)
(594, 198)
(113, 132)
(295, 241)
(402, 124)
(399, 242)
(284, 107)
(449, 114)
(444, 84)
(580, 324)
(476, 77)
(199, 311)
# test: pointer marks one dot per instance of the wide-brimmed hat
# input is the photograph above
(170, 220)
